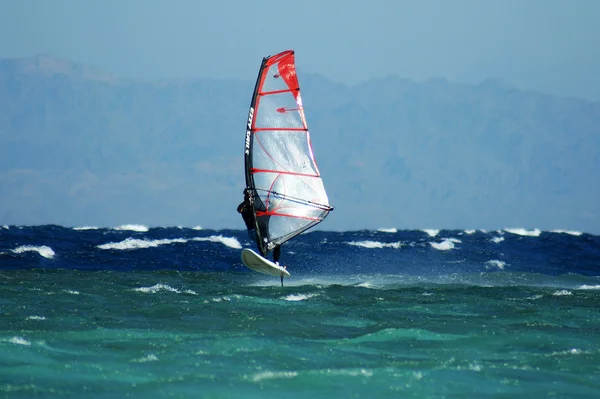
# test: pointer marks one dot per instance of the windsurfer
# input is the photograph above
(245, 208)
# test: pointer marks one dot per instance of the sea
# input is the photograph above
(171, 312)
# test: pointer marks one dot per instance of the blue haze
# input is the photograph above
(421, 113)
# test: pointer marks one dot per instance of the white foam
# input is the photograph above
(497, 239)
(443, 246)
(431, 232)
(470, 232)
(149, 358)
(72, 292)
(498, 263)
(534, 297)
(35, 318)
(133, 227)
(19, 341)
(588, 287)
(388, 230)
(572, 351)
(163, 287)
(43, 250)
(135, 243)
(5, 227)
(571, 232)
(454, 240)
(299, 297)
(196, 228)
(85, 228)
(156, 288)
(525, 232)
(562, 293)
(366, 284)
(269, 375)
(375, 244)
(231, 242)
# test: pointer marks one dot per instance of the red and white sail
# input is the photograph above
(288, 193)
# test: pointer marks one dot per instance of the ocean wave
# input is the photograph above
(162, 287)
(270, 375)
(43, 250)
(431, 232)
(135, 243)
(375, 244)
(388, 230)
(442, 246)
(231, 242)
(588, 287)
(86, 228)
(149, 358)
(35, 318)
(524, 232)
(497, 263)
(570, 232)
(133, 227)
(299, 297)
(497, 240)
(19, 341)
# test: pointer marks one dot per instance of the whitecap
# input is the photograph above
(524, 232)
(571, 232)
(470, 232)
(299, 297)
(35, 318)
(562, 293)
(387, 230)
(454, 240)
(85, 228)
(431, 232)
(497, 239)
(375, 244)
(498, 263)
(365, 284)
(231, 242)
(149, 358)
(19, 341)
(156, 288)
(268, 375)
(43, 250)
(133, 227)
(72, 292)
(588, 287)
(135, 243)
(196, 228)
(443, 246)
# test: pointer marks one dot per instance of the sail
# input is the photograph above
(286, 188)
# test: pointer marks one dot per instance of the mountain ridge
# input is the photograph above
(90, 148)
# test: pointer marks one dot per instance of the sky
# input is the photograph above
(552, 46)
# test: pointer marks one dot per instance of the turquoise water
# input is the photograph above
(71, 333)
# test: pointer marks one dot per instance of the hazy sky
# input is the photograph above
(548, 45)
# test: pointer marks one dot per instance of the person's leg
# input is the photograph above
(276, 254)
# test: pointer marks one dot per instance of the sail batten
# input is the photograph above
(288, 194)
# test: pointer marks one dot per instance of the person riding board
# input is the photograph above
(245, 208)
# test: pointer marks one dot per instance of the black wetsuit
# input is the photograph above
(247, 214)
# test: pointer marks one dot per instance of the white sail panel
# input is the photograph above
(281, 169)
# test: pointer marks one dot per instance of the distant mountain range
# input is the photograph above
(81, 147)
